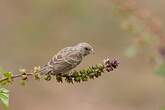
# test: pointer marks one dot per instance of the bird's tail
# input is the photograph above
(46, 69)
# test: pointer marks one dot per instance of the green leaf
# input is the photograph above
(4, 90)
(8, 75)
(4, 97)
(5, 73)
(161, 70)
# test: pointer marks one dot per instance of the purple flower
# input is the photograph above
(110, 65)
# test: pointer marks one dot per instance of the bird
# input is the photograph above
(67, 59)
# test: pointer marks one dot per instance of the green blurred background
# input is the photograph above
(32, 31)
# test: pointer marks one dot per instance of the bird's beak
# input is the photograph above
(92, 51)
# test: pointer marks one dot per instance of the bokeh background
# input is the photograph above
(32, 31)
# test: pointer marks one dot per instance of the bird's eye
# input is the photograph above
(86, 48)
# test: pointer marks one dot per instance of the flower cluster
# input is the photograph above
(110, 65)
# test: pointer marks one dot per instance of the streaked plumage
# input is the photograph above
(67, 59)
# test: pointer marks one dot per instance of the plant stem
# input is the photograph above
(15, 77)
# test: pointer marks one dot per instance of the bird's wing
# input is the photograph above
(73, 57)
(67, 55)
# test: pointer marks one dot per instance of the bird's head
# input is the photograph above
(85, 49)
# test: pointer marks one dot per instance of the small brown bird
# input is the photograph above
(67, 59)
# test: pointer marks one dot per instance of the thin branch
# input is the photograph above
(15, 77)
(74, 76)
